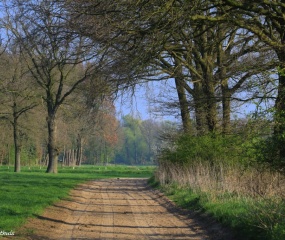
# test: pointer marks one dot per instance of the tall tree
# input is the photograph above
(18, 97)
(211, 61)
(266, 20)
(90, 124)
(52, 52)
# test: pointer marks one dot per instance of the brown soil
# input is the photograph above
(118, 209)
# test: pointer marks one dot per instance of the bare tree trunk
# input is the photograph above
(8, 156)
(226, 102)
(200, 112)
(183, 103)
(226, 93)
(2, 157)
(211, 108)
(64, 157)
(52, 151)
(73, 154)
(67, 157)
(79, 150)
(279, 128)
(17, 145)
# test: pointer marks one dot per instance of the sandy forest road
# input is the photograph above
(115, 209)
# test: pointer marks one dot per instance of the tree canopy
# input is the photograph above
(219, 54)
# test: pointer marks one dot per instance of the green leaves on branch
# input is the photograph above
(281, 71)
(210, 148)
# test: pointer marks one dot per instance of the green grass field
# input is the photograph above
(27, 193)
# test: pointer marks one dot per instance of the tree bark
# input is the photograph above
(226, 93)
(226, 103)
(79, 150)
(211, 106)
(52, 151)
(200, 113)
(279, 127)
(183, 104)
(17, 145)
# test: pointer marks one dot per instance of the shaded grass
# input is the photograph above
(27, 193)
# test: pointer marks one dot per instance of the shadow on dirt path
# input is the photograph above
(118, 209)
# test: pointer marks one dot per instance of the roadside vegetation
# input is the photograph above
(26, 194)
(229, 178)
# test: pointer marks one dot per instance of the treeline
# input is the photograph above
(79, 129)
(141, 140)
(221, 55)
(53, 84)
(130, 141)
(137, 143)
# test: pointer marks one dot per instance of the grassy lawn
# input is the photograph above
(29, 192)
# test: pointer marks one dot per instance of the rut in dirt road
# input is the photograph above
(114, 209)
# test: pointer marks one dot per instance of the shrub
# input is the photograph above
(209, 148)
(266, 153)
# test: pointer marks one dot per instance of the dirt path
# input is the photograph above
(114, 209)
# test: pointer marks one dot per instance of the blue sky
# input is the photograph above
(141, 103)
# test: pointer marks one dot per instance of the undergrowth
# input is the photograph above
(222, 177)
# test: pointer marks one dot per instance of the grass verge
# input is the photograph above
(27, 193)
(248, 218)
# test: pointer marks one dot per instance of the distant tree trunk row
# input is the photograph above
(72, 157)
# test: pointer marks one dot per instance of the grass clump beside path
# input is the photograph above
(27, 193)
(248, 218)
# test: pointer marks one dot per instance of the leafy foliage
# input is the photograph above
(140, 141)
(209, 148)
